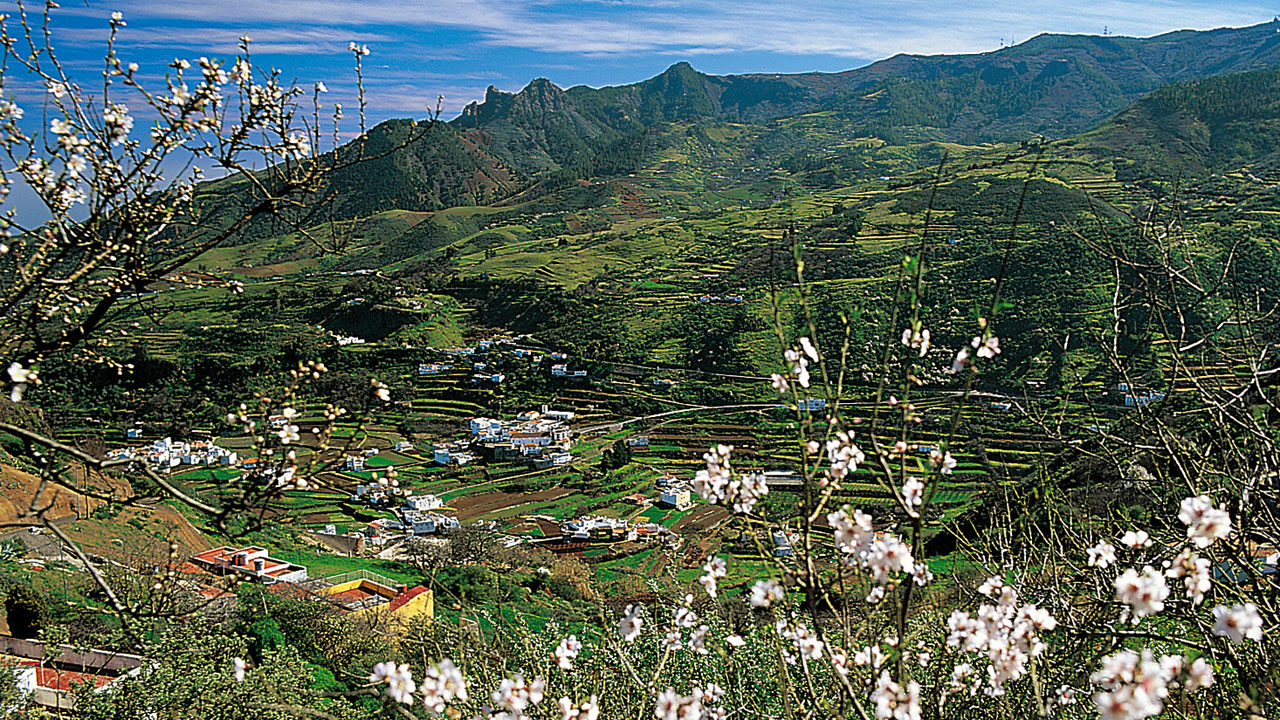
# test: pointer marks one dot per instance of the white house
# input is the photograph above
(676, 496)
(782, 544)
(562, 370)
(541, 439)
(251, 561)
(423, 502)
(429, 523)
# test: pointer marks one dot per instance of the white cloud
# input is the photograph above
(869, 29)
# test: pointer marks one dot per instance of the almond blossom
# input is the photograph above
(629, 628)
(1009, 636)
(1136, 539)
(913, 492)
(586, 710)
(715, 568)
(766, 592)
(567, 651)
(1101, 555)
(514, 695)
(1205, 523)
(1194, 571)
(892, 702)
(1144, 593)
(987, 347)
(916, 339)
(1238, 622)
(443, 683)
(942, 461)
(399, 680)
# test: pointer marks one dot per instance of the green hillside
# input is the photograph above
(1218, 124)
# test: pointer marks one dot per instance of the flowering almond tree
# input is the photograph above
(116, 168)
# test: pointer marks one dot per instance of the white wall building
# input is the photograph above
(423, 502)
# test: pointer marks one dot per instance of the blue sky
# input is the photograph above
(456, 48)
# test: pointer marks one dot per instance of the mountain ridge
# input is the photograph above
(1052, 84)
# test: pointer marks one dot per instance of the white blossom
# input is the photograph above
(766, 592)
(1205, 523)
(1102, 555)
(988, 347)
(443, 684)
(1144, 593)
(913, 492)
(715, 568)
(567, 651)
(629, 628)
(1136, 539)
(399, 680)
(1238, 622)
(892, 702)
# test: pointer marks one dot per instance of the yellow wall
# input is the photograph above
(423, 603)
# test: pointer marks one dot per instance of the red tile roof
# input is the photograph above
(55, 679)
(404, 597)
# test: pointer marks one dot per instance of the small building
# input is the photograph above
(455, 453)
(504, 451)
(252, 562)
(403, 446)
(50, 678)
(814, 404)
(638, 441)
(420, 523)
(367, 593)
(352, 463)
(676, 496)
(423, 502)
(593, 527)
(1142, 400)
(133, 433)
(546, 460)
(782, 544)
(560, 415)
